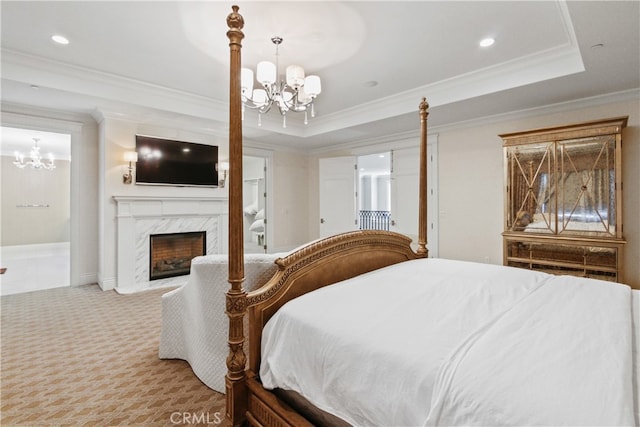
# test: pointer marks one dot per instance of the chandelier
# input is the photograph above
(296, 93)
(35, 159)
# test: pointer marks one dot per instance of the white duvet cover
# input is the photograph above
(440, 342)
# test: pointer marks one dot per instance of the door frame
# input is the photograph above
(74, 129)
(267, 155)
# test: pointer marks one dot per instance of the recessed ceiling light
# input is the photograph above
(60, 39)
(370, 83)
(487, 42)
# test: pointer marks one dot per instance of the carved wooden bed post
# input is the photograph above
(320, 263)
(422, 209)
(236, 306)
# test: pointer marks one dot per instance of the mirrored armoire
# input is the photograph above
(563, 199)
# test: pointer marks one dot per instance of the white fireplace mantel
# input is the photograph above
(138, 217)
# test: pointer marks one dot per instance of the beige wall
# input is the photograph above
(24, 224)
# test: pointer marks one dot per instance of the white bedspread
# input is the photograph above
(440, 342)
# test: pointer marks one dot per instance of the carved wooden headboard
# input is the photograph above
(319, 264)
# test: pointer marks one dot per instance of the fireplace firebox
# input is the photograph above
(171, 254)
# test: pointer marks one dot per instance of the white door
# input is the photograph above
(337, 195)
(405, 173)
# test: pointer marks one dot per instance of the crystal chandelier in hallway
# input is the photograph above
(35, 159)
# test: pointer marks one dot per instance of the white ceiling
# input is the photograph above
(167, 61)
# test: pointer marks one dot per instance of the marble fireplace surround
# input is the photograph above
(138, 217)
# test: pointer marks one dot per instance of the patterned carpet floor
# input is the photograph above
(84, 357)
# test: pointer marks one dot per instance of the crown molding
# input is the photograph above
(31, 69)
(560, 107)
(14, 115)
(434, 131)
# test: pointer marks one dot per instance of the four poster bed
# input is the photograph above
(360, 329)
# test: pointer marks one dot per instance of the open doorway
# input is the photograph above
(374, 191)
(254, 204)
(35, 210)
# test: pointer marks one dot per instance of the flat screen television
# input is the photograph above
(178, 163)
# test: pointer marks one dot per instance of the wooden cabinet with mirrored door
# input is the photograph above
(563, 199)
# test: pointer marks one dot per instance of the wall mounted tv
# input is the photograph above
(178, 163)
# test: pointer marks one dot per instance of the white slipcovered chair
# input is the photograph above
(194, 323)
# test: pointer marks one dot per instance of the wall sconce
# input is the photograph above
(222, 167)
(129, 156)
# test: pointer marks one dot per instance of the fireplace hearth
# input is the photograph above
(171, 254)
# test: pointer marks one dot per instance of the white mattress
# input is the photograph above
(472, 344)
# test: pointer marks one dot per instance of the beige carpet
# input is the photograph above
(84, 357)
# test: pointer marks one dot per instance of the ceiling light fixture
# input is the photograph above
(487, 42)
(297, 93)
(36, 159)
(60, 39)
